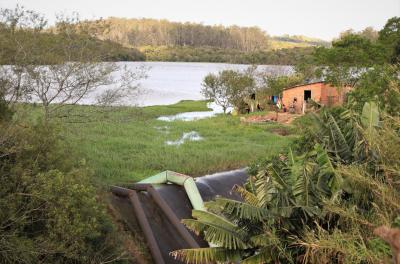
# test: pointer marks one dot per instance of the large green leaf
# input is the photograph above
(298, 179)
(239, 209)
(247, 196)
(222, 236)
(264, 188)
(329, 181)
(338, 140)
(370, 116)
(370, 119)
(217, 230)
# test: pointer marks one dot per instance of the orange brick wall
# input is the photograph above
(298, 92)
(330, 92)
(320, 92)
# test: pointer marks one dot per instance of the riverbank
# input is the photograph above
(129, 144)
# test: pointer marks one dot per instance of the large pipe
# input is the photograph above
(172, 217)
(183, 232)
(143, 222)
(210, 186)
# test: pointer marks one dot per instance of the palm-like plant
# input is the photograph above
(282, 197)
(345, 133)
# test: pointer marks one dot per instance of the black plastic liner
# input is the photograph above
(164, 232)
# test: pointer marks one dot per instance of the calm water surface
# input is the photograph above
(170, 82)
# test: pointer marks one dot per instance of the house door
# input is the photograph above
(307, 95)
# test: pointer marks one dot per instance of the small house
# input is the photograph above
(295, 98)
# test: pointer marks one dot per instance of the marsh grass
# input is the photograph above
(128, 144)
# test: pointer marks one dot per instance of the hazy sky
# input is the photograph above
(315, 18)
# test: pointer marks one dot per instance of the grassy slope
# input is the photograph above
(129, 144)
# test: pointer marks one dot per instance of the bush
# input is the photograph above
(49, 209)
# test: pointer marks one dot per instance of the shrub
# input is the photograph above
(49, 209)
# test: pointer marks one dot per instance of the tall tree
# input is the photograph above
(342, 64)
(390, 37)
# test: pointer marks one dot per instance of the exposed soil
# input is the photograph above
(282, 118)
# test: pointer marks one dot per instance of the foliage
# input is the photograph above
(281, 198)
(302, 39)
(162, 40)
(381, 84)
(50, 211)
(390, 37)
(351, 50)
(142, 32)
(318, 203)
(60, 67)
(116, 39)
(355, 53)
(228, 88)
(368, 33)
(28, 29)
(275, 84)
(286, 56)
(347, 59)
(156, 33)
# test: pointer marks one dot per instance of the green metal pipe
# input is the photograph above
(180, 179)
(160, 178)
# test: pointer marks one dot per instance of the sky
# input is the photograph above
(323, 19)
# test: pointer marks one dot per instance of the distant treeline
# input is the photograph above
(117, 39)
(49, 47)
(152, 32)
(162, 40)
(289, 56)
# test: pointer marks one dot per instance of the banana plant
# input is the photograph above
(288, 192)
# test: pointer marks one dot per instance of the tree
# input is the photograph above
(60, 68)
(381, 84)
(342, 64)
(369, 33)
(276, 84)
(228, 89)
(213, 89)
(389, 36)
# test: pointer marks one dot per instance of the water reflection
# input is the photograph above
(190, 136)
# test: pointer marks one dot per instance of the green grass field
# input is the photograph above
(128, 144)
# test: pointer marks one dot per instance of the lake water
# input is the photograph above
(192, 116)
(170, 82)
